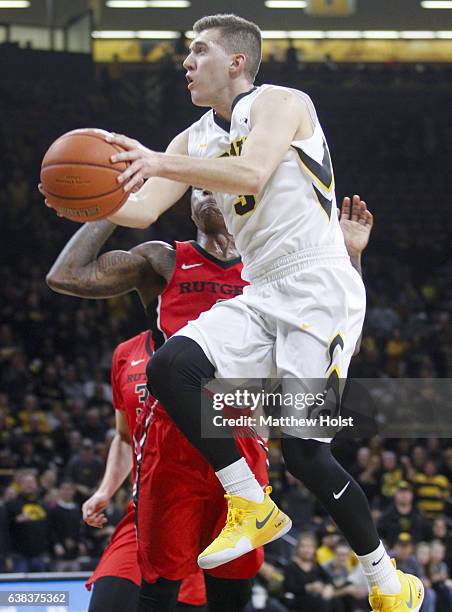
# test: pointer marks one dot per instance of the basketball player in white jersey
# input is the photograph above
(263, 152)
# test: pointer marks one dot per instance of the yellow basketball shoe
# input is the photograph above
(248, 526)
(409, 599)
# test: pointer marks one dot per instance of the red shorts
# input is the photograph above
(181, 505)
(120, 560)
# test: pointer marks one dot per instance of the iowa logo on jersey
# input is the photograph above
(235, 149)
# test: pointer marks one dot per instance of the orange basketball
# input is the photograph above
(78, 179)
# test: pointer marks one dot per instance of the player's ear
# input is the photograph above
(238, 61)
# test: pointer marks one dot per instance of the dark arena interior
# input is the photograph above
(385, 107)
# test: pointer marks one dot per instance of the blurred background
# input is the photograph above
(380, 75)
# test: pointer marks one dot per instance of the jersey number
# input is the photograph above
(244, 204)
(142, 393)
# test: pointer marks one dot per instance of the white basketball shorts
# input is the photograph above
(299, 320)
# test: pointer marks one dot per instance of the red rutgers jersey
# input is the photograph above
(128, 378)
(199, 280)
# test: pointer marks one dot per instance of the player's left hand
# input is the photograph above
(92, 510)
(356, 224)
(144, 163)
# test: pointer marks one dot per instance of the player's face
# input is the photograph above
(205, 213)
(207, 66)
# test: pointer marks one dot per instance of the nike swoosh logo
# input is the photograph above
(376, 563)
(341, 492)
(409, 603)
(134, 363)
(260, 524)
(185, 266)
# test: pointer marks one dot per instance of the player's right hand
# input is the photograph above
(93, 508)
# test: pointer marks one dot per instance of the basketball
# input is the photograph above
(78, 180)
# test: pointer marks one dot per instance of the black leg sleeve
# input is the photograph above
(313, 463)
(174, 375)
(225, 595)
(159, 596)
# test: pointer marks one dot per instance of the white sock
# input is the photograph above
(238, 479)
(380, 572)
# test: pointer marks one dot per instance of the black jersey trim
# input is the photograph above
(224, 123)
(221, 122)
(147, 344)
(219, 262)
(152, 313)
(240, 96)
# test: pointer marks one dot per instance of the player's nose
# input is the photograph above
(188, 62)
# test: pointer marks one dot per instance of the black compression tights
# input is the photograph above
(313, 463)
(174, 377)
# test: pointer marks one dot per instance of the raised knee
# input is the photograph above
(158, 370)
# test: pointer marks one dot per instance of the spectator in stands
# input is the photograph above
(403, 553)
(98, 388)
(347, 595)
(48, 484)
(442, 532)
(307, 586)
(31, 409)
(401, 516)
(391, 476)
(85, 470)
(432, 490)
(29, 527)
(330, 537)
(367, 471)
(73, 387)
(439, 576)
(65, 519)
(418, 459)
(423, 558)
(92, 426)
(49, 387)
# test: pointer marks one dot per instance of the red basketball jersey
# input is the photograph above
(128, 378)
(199, 280)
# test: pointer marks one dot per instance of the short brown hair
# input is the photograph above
(238, 35)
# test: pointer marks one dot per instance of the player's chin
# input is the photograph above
(198, 99)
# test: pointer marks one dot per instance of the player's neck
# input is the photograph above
(224, 105)
(221, 246)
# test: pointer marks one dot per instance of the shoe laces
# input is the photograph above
(234, 521)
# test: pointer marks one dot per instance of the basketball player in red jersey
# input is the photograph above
(206, 271)
(117, 577)
(164, 278)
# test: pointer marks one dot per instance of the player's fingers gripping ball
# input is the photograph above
(78, 178)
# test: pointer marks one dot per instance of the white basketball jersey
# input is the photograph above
(295, 211)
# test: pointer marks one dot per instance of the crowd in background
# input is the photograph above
(56, 415)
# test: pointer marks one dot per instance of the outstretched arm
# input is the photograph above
(356, 225)
(79, 269)
(119, 464)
